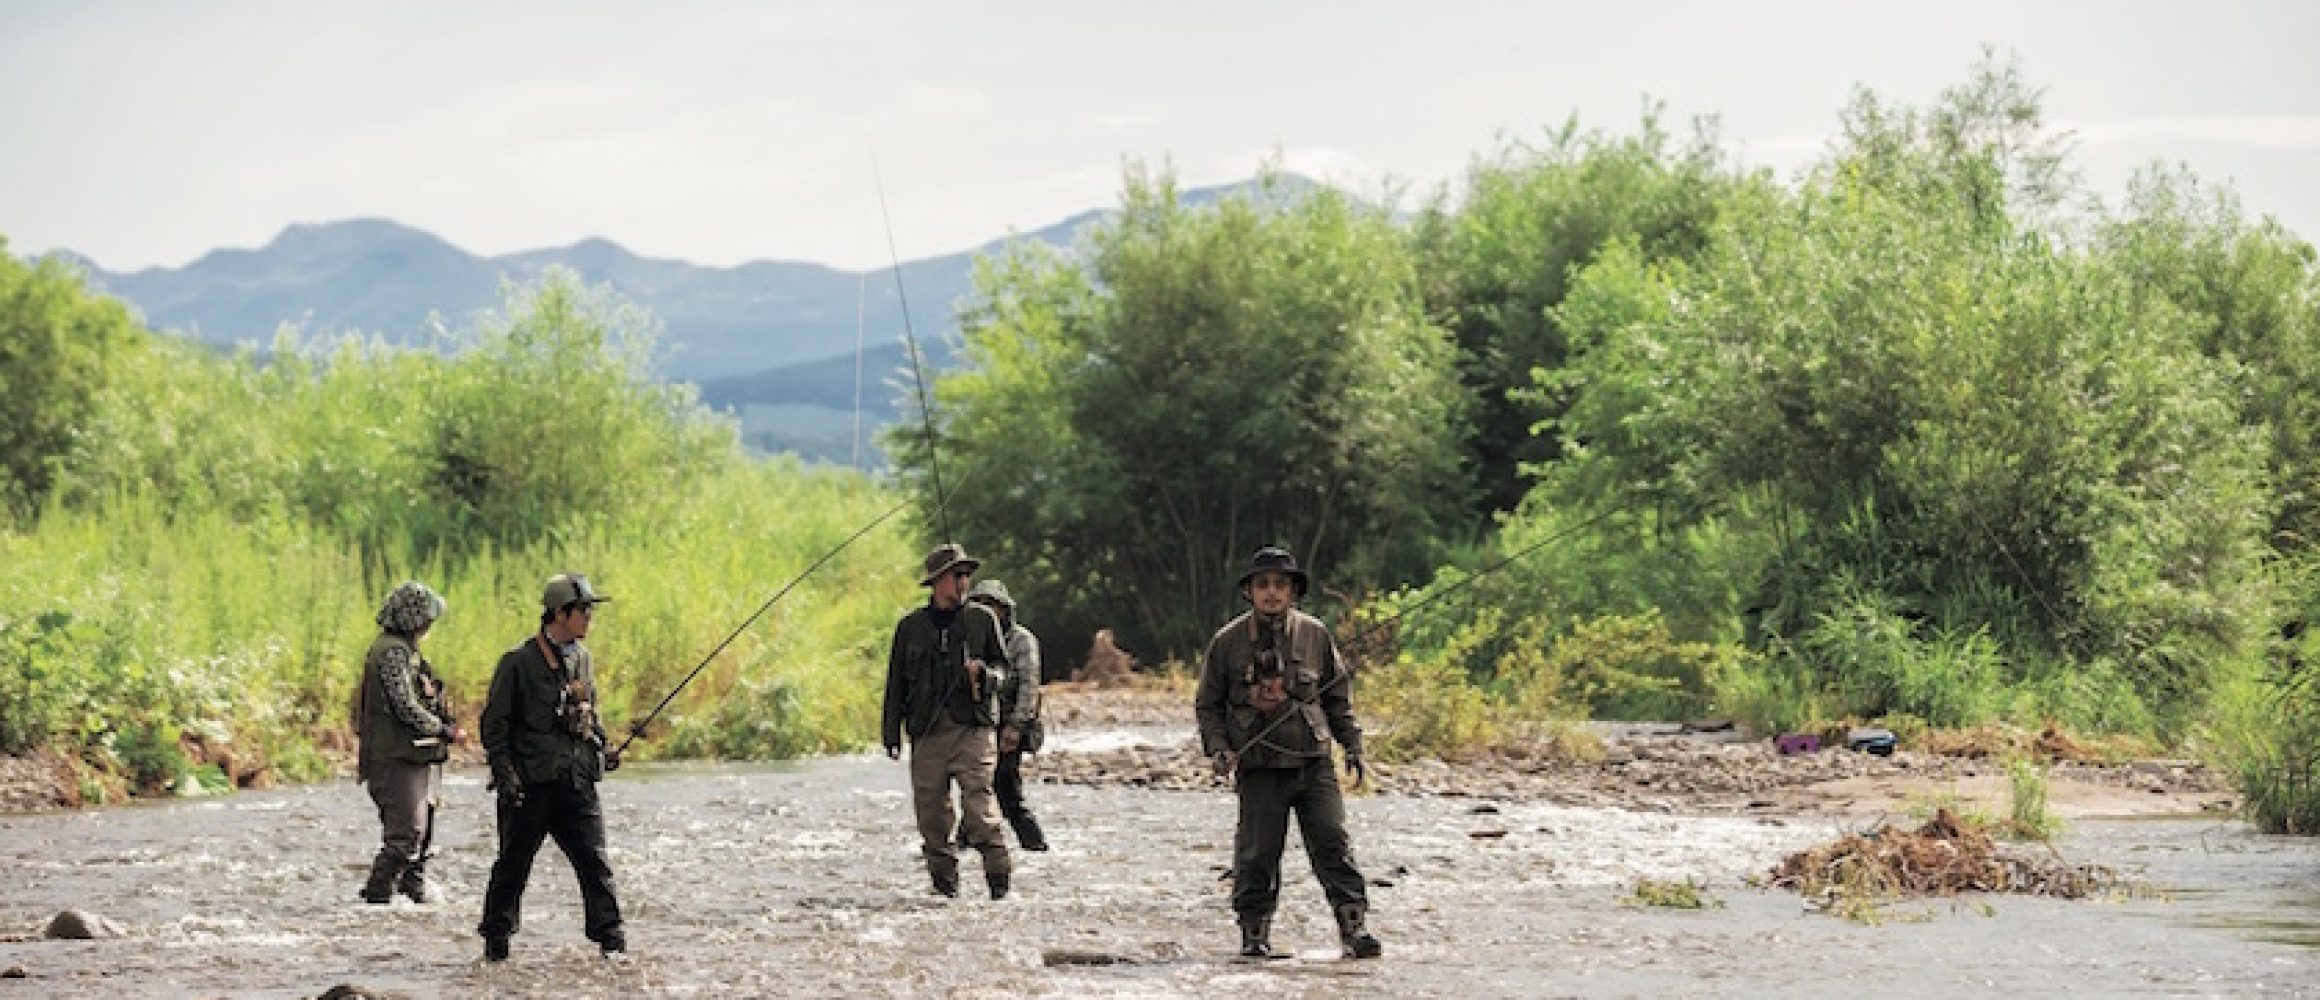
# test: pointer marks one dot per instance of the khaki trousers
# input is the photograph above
(951, 752)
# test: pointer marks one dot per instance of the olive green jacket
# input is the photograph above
(1319, 706)
(926, 671)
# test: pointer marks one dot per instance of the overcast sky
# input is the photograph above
(145, 133)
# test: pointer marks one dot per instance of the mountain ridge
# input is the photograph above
(733, 329)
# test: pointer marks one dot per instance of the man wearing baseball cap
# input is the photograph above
(547, 751)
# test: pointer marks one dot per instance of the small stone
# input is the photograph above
(15, 972)
(76, 925)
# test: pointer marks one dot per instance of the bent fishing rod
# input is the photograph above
(942, 499)
(637, 729)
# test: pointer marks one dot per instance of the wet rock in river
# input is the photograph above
(1065, 956)
(79, 925)
(14, 972)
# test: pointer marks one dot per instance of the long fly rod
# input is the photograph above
(942, 498)
(917, 369)
(637, 729)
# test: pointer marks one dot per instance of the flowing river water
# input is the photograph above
(804, 880)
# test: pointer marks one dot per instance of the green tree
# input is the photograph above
(1918, 450)
(1194, 382)
(57, 344)
(1497, 265)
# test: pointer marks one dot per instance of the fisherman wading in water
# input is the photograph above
(1272, 694)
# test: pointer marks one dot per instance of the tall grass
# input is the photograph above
(140, 620)
(199, 585)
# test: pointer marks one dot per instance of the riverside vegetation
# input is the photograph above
(1923, 434)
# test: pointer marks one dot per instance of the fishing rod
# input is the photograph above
(942, 499)
(1345, 673)
(917, 371)
(637, 729)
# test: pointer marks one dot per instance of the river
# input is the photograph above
(804, 880)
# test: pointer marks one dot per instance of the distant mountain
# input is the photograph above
(764, 339)
(384, 278)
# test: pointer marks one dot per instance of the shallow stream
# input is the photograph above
(805, 881)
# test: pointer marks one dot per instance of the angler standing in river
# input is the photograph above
(546, 746)
(1272, 693)
(942, 688)
(404, 731)
(1020, 731)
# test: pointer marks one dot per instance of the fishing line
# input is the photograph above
(917, 370)
(942, 498)
(1345, 673)
(637, 729)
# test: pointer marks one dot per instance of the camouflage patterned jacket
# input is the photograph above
(399, 702)
(1019, 692)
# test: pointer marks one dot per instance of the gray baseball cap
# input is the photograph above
(570, 588)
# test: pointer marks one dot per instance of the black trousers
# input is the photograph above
(1268, 795)
(1007, 784)
(571, 814)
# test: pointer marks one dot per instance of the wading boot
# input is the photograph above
(385, 868)
(413, 884)
(946, 883)
(998, 882)
(1356, 938)
(1027, 835)
(1256, 937)
(495, 949)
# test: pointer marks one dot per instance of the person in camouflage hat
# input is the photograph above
(1020, 731)
(942, 688)
(547, 751)
(403, 729)
(1273, 694)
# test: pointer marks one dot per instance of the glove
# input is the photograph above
(1359, 770)
(1222, 762)
(509, 784)
(1010, 739)
(611, 761)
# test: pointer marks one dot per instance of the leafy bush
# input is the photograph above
(1195, 382)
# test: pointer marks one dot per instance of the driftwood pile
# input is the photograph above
(1945, 857)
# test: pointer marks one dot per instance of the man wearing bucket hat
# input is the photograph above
(547, 751)
(1020, 731)
(404, 728)
(942, 687)
(1272, 694)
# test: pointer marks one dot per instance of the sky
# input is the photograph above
(146, 133)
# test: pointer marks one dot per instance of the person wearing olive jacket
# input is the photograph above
(1272, 695)
(942, 687)
(547, 750)
(404, 728)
